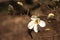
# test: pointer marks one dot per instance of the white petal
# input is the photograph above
(35, 28)
(33, 18)
(30, 25)
(42, 23)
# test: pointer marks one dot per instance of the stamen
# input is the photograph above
(36, 22)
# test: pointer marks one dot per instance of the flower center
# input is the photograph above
(36, 22)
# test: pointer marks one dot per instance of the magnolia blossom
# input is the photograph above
(33, 24)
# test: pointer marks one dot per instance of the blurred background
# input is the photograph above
(15, 16)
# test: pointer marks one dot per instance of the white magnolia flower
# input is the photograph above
(35, 22)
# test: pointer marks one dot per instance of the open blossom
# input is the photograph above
(33, 24)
